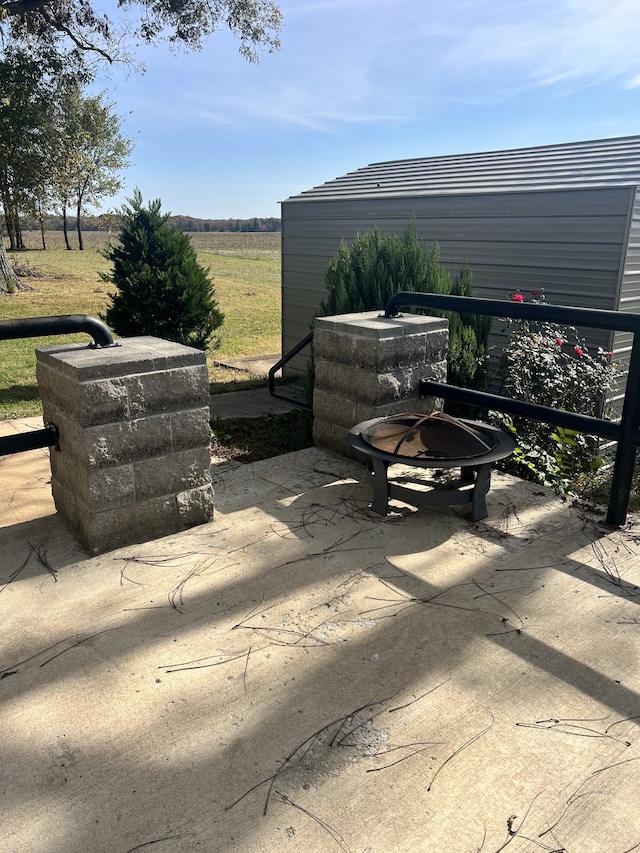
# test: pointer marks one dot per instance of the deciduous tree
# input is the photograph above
(183, 23)
(86, 30)
(95, 151)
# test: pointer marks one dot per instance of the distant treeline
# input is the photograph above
(111, 222)
(257, 223)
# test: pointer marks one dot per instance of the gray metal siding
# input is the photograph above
(568, 243)
(629, 294)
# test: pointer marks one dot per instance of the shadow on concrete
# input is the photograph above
(303, 675)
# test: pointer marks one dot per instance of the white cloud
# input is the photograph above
(541, 43)
(368, 61)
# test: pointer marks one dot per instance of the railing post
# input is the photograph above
(626, 450)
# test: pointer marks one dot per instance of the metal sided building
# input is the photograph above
(564, 219)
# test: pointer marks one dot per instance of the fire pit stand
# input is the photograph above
(439, 442)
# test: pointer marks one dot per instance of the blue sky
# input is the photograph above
(362, 81)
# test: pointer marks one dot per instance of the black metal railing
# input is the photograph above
(279, 364)
(626, 432)
(34, 327)
(65, 324)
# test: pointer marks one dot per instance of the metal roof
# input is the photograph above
(575, 165)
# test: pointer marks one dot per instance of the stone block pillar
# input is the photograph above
(369, 366)
(134, 454)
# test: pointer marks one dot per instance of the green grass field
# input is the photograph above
(245, 269)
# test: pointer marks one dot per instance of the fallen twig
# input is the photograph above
(342, 844)
(80, 642)
(297, 755)
(418, 698)
(457, 752)
(154, 841)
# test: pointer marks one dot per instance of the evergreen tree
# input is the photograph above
(161, 288)
(363, 277)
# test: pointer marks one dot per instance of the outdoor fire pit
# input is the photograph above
(436, 441)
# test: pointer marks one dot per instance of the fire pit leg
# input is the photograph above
(480, 489)
(378, 477)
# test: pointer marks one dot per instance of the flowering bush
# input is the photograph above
(552, 366)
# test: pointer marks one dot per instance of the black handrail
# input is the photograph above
(276, 367)
(21, 441)
(65, 324)
(626, 432)
(35, 327)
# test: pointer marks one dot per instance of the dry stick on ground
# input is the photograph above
(298, 753)
(577, 795)
(409, 601)
(568, 727)
(493, 595)
(612, 572)
(600, 555)
(624, 720)
(154, 841)
(176, 594)
(342, 844)
(516, 833)
(418, 698)
(533, 568)
(457, 752)
(253, 612)
(423, 744)
(12, 670)
(149, 561)
(266, 632)
(484, 838)
(15, 573)
(159, 561)
(246, 667)
(80, 642)
(40, 554)
(330, 549)
(197, 663)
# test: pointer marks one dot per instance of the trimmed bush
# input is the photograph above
(363, 277)
(161, 288)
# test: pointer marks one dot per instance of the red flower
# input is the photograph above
(517, 297)
(535, 293)
(559, 341)
(578, 350)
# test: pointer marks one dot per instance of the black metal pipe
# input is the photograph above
(276, 367)
(568, 420)
(21, 441)
(562, 314)
(66, 324)
(623, 468)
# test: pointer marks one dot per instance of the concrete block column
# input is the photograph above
(369, 366)
(134, 457)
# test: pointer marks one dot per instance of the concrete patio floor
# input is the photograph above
(303, 675)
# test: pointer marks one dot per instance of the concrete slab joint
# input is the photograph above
(368, 366)
(134, 458)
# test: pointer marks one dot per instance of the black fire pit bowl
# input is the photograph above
(431, 441)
